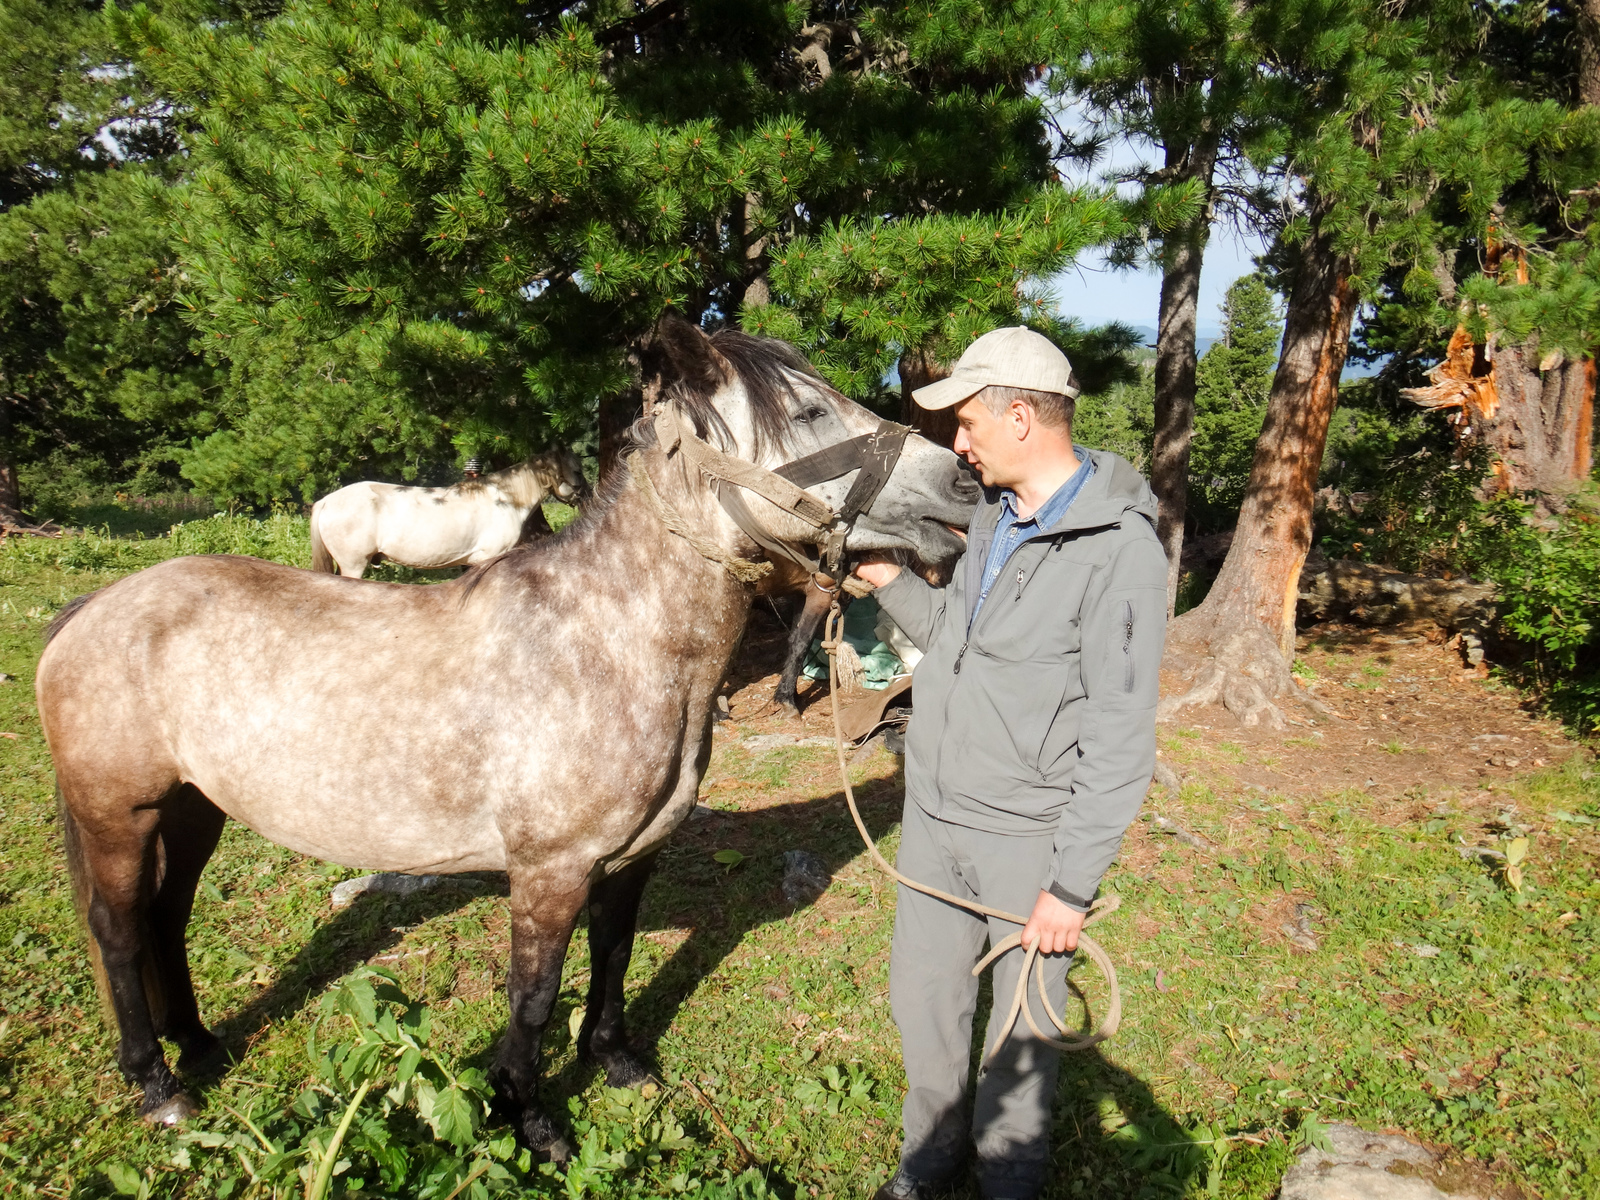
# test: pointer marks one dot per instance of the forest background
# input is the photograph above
(252, 251)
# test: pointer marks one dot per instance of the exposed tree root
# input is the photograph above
(1243, 671)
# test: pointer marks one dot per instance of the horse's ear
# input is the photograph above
(685, 354)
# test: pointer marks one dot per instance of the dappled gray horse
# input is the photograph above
(547, 714)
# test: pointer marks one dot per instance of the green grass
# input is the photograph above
(1232, 1036)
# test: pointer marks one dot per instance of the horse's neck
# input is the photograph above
(684, 605)
(523, 484)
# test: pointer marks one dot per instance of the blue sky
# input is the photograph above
(1096, 295)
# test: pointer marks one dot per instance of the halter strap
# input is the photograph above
(873, 455)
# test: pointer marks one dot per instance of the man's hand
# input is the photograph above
(1054, 924)
(877, 573)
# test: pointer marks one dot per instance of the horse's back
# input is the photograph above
(316, 710)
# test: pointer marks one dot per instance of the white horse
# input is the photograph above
(458, 526)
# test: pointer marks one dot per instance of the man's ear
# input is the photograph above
(1022, 417)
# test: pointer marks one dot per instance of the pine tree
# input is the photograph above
(1508, 315)
(1186, 79)
(1404, 140)
(472, 216)
(96, 371)
(1233, 382)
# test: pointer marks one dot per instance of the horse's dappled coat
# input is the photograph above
(547, 713)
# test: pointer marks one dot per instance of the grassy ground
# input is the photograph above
(1337, 958)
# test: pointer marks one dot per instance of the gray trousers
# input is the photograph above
(932, 995)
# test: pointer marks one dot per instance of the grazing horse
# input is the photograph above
(458, 526)
(546, 714)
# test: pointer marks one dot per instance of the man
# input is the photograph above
(1030, 749)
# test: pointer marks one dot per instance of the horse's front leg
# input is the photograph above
(805, 628)
(546, 899)
(613, 918)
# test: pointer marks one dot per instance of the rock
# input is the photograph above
(1370, 1166)
(762, 743)
(390, 884)
(701, 811)
(805, 876)
(1300, 932)
(1168, 778)
(7, 678)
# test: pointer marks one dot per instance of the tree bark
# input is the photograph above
(918, 368)
(1588, 15)
(1240, 641)
(1182, 258)
(1542, 430)
(10, 496)
(1174, 400)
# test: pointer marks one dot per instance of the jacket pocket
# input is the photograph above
(1127, 646)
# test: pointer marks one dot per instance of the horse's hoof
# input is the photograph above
(204, 1057)
(174, 1111)
(625, 1071)
(790, 708)
(542, 1137)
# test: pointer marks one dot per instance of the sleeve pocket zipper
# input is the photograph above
(1127, 645)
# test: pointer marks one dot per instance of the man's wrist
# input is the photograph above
(1077, 903)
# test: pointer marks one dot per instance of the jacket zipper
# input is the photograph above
(1019, 583)
(960, 654)
(1127, 645)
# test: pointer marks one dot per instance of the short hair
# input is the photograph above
(1053, 409)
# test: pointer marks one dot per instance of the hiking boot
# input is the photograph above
(906, 1187)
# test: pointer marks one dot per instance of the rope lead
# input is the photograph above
(1033, 961)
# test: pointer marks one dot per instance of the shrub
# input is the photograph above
(282, 537)
(1548, 578)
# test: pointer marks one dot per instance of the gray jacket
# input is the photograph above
(1042, 718)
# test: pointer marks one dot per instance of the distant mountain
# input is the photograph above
(1205, 336)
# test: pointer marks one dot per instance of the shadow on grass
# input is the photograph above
(1112, 1136)
(355, 935)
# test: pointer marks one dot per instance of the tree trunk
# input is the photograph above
(1239, 643)
(1534, 414)
(1542, 430)
(918, 368)
(1182, 257)
(1174, 407)
(1588, 13)
(10, 497)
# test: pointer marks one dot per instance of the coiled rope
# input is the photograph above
(1033, 962)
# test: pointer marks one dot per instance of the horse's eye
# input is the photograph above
(814, 414)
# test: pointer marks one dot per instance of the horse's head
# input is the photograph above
(759, 400)
(570, 485)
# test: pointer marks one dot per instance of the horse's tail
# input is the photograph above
(321, 560)
(82, 897)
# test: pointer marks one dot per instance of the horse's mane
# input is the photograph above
(765, 366)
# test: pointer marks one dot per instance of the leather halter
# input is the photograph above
(873, 455)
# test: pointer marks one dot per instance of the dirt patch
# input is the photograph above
(1407, 721)
(1411, 723)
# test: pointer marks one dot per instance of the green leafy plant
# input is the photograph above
(628, 1129)
(728, 858)
(1545, 573)
(385, 1116)
(837, 1091)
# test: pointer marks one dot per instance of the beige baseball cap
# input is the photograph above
(1013, 357)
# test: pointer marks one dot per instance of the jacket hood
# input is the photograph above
(1115, 488)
